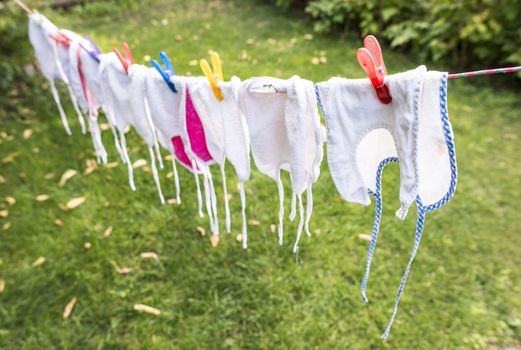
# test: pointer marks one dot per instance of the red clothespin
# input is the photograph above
(128, 60)
(61, 38)
(372, 62)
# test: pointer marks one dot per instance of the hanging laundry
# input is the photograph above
(226, 134)
(364, 135)
(285, 134)
(46, 53)
(83, 93)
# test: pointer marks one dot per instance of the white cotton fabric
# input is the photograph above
(362, 132)
(434, 168)
(91, 109)
(285, 134)
(140, 119)
(226, 134)
(46, 53)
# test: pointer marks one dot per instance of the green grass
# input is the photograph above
(464, 289)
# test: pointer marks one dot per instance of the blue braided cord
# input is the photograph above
(318, 99)
(422, 209)
(419, 229)
(376, 225)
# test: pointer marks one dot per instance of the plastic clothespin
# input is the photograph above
(167, 72)
(93, 50)
(61, 38)
(372, 62)
(213, 74)
(128, 60)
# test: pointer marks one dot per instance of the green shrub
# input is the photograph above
(464, 33)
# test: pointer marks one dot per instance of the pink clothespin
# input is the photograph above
(372, 62)
(61, 38)
(128, 60)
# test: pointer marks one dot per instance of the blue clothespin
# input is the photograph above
(168, 72)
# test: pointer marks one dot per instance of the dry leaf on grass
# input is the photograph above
(6, 226)
(73, 203)
(48, 176)
(149, 255)
(201, 230)
(66, 176)
(273, 227)
(42, 197)
(107, 232)
(364, 236)
(171, 201)
(68, 308)
(2, 180)
(318, 232)
(87, 245)
(91, 166)
(147, 169)
(169, 175)
(27, 133)
(139, 163)
(168, 157)
(58, 222)
(38, 261)
(4, 213)
(104, 126)
(147, 309)
(121, 270)
(253, 222)
(2, 285)
(10, 200)
(111, 165)
(214, 240)
(239, 237)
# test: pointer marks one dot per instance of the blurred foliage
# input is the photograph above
(464, 33)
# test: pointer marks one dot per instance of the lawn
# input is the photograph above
(464, 289)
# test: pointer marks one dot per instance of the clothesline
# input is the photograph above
(489, 71)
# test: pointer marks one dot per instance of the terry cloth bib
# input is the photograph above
(140, 118)
(190, 147)
(285, 134)
(226, 134)
(364, 135)
(83, 93)
(46, 53)
(114, 84)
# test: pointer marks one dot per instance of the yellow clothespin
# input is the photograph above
(213, 74)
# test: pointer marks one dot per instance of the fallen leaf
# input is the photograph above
(42, 197)
(273, 227)
(58, 222)
(239, 237)
(2, 180)
(38, 261)
(121, 270)
(178, 37)
(111, 165)
(169, 175)
(107, 232)
(171, 201)
(147, 309)
(104, 126)
(364, 236)
(66, 176)
(6, 226)
(68, 308)
(147, 169)
(149, 255)
(147, 58)
(201, 230)
(308, 36)
(253, 222)
(2, 285)
(318, 232)
(193, 63)
(75, 202)
(10, 200)
(168, 157)
(323, 59)
(229, 197)
(139, 163)
(27, 133)
(315, 60)
(87, 245)
(91, 166)
(48, 176)
(4, 213)
(214, 240)
(36, 150)
(9, 158)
